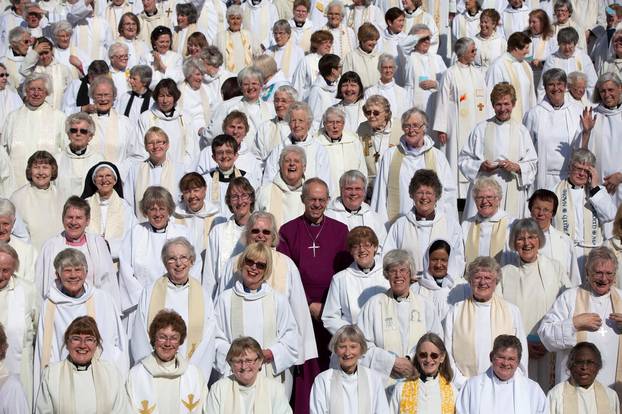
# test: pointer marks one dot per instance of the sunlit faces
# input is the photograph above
(253, 272)
(36, 92)
(194, 48)
(165, 101)
(376, 116)
(245, 367)
(469, 55)
(483, 284)
(351, 91)
(156, 146)
(324, 47)
(105, 181)
(579, 174)
(149, 5)
(527, 246)
(182, 21)
(334, 17)
(119, 59)
(425, 199)
(7, 268)
(610, 94)
(167, 343)
(178, 263)
(136, 83)
(567, 49)
(387, 71)
(503, 108)
(22, 45)
(129, 28)
(251, 88)
(487, 26)
(299, 124)
(353, 194)
(397, 25)
(46, 56)
(236, 128)
(423, 45)
(79, 135)
(261, 232)
(585, 368)
(6, 226)
(162, 44)
(601, 277)
(292, 168)
(333, 125)
(194, 198)
(542, 212)
(300, 13)
(535, 25)
(41, 174)
(195, 79)
(364, 253)
(349, 353)
(369, 45)
(438, 262)
(520, 54)
(282, 101)
(430, 358)
(158, 216)
(103, 96)
(555, 91)
(281, 37)
(75, 222)
(315, 201)
(487, 202)
(62, 39)
(4, 78)
(240, 202)
(577, 89)
(234, 22)
(504, 363)
(562, 14)
(400, 279)
(225, 157)
(72, 279)
(81, 348)
(414, 130)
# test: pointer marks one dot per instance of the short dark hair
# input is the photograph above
(243, 184)
(76, 202)
(224, 139)
(504, 342)
(544, 195)
(350, 76)
(41, 157)
(393, 13)
(160, 31)
(168, 85)
(327, 63)
(439, 244)
(131, 16)
(83, 325)
(428, 178)
(518, 40)
(572, 356)
(164, 319)
(192, 180)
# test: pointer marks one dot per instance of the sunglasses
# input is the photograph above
(259, 265)
(424, 355)
(374, 113)
(83, 131)
(4, 75)
(265, 232)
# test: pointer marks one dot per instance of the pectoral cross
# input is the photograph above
(191, 403)
(145, 407)
(314, 246)
(480, 106)
(168, 12)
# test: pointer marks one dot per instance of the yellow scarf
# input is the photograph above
(409, 397)
(248, 56)
(497, 239)
(67, 403)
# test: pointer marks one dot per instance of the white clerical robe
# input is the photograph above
(376, 142)
(173, 63)
(137, 49)
(354, 113)
(365, 64)
(212, 19)
(321, 97)
(415, 236)
(28, 200)
(281, 200)
(305, 75)
(486, 393)
(302, 35)
(465, 25)
(579, 61)
(60, 76)
(247, 161)
(237, 48)
(615, 245)
(349, 290)
(589, 14)
(461, 104)
(9, 101)
(175, 386)
(350, 394)
(553, 145)
(213, 83)
(269, 135)
(486, 227)
(92, 36)
(100, 380)
(195, 103)
(520, 75)
(27, 130)
(221, 398)
(559, 335)
(418, 68)
(482, 340)
(275, 329)
(148, 23)
(585, 399)
(414, 159)
(344, 155)
(413, 312)
(12, 63)
(258, 19)
(493, 140)
(364, 216)
(450, 291)
(560, 247)
(139, 259)
(389, 41)
(19, 314)
(367, 13)
(72, 169)
(488, 50)
(177, 298)
(223, 243)
(199, 223)
(399, 99)
(12, 396)
(27, 254)
(59, 310)
(515, 20)
(101, 273)
(114, 139)
(344, 40)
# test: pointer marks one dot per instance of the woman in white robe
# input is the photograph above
(399, 99)
(543, 41)
(364, 59)
(12, 233)
(194, 99)
(360, 12)
(246, 390)
(344, 38)
(351, 94)
(489, 43)
(286, 52)
(393, 321)
(351, 288)
(81, 381)
(615, 243)
(9, 99)
(307, 70)
(12, 396)
(70, 297)
(237, 45)
(129, 30)
(466, 24)
(165, 63)
(164, 381)
(253, 308)
(613, 63)
(349, 387)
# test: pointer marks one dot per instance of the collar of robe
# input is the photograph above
(250, 294)
(162, 230)
(429, 217)
(425, 378)
(352, 211)
(366, 270)
(169, 114)
(439, 281)
(64, 292)
(151, 14)
(139, 95)
(401, 298)
(78, 242)
(80, 367)
(312, 224)
(103, 113)
(299, 24)
(179, 285)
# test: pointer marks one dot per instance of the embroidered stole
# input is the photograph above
(115, 222)
(365, 17)
(287, 57)
(517, 113)
(411, 237)
(391, 335)
(261, 27)
(565, 221)
(465, 332)
(471, 102)
(229, 59)
(196, 306)
(497, 239)
(370, 152)
(336, 392)
(410, 398)
(67, 403)
(570, 398)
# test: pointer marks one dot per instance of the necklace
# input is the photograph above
(315, 246)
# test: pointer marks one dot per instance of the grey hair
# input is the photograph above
(414, 111)
(191, 64)
(529, 226)
(398, 257)
(331, 110)
(483, 263)
(384, 58)
(337, 3)
(16, 33)
(293, 148)
(115, 47)
(62, 26)
(102, 80)
(144, 72)
(39, 76)
(266, 65)
(567, 35)
(348, 333)
(261, 215)
(212, 56)
(487, 182)
(419, 27)
(187, 9)
(462, 46)
(8, 249)
(282, 24)
(234, 10)
(178, 241)
(311, 181)
(299, 106)
(554, 75)
(154, 195)
(605, 77)
(70, 257)
(562, 3)
(249, 72)
(575, 76)
(599, 254)
(583, 156)
(351, 176)
(80, 117)
(7, 208)
(292, 92)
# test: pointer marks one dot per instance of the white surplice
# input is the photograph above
(344, 155)
(364, 216)
(579, 62)
(72, 169)
(486, 226)
(281, 200)
(560, 247)
(520, 76)
(365, 64)
(219, 398)
(269, 135)
(585, 402)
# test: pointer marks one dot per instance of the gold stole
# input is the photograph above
(111, 17)
(276, 204)
(466, 103)
(278, 277)
(465, 332)
(517, 113)
(497, 239)
(393, 182)
(248, 56)
(268, 304)
(287, 56)
(565, 221)
(538, 54)
(203, 13)
(582, 305)
(196, 306)
(261, 403)
(391, 335)
(570, 398)
(352, 15)
(67, 403)
(94, 43)
(48, 327)
(115, 223)
(409, 397)
(142, 179)
(107, 141)
(363, 392)
(216, 183)
(260, 30)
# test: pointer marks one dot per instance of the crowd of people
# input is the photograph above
(310, 206)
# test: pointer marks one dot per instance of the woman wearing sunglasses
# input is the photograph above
(431, 391)
(253, 308)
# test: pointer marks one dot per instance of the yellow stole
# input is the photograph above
(409, 397)
(248, 55)
(372, 154)
(391, 335)
(465, 332)
(196, 306)
(497, 239)
(167, 179)
(83, 37)
(207, 226)
(287, 55)
(115, 223)
(570, 399)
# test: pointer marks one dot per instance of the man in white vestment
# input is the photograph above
(26, 252)
(35, 126)
(553, 125)
(515, 17)
(503, 389)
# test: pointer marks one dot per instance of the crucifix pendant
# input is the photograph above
(314, 247)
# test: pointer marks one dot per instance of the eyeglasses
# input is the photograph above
(265, 232)
(241, 197)
(172, 339)
(259, 265)
(479, 199)
(88, 340)
(121, 56)
(432, 355)
(158, 143)
(103, 95)
(363, 246)
(180, 259)
(4, 75)
(413, 126)
(368, 113)
(243, 362)
(83, 131)
(584, 363)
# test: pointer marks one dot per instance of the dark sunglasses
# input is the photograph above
(4, 75)
(374, 113)
(259, 265)
(424, 355)
(83, 131)
(265, 232)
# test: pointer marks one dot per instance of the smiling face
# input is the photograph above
(527, 246)
(165, 101)
(487, 202)
(610, 94)
(376, 116)
(566, 50)
(195, 79)
(601, 277)
(156, 146)
(301, 13)
(282, 101)
(75, 222)
(81, 348)
(7, 269)
(245, 367)
(4, 78)
(237, 129)
(353, 194)
(194, 198)
(399, 279)
(315, 201)
(585, 368)
(41, 174)
(350, 91)
(104, 97)
(36, 92)
(162, 44)
(579, 174)
(430, 358)
(62, 39)
(334, 17)
(105, 181)
(387, 71)
(6, 226)
(349, 353)
(261, 232)
(81, 137)
(397, 25)
(292, 169)
(178, 263)
(438, 262)
(72, 279)
(423, 45)
(253, 272)
(520, 54)
(487, 26)
(483, 284)
(129, 28)
(616, 43)
(562, 14)
(414, 130)
(503, 107)
(167, 343)
(535, 25)
(299, 124)
(240, 203)
(234, 22)
(577, 89)
(504, 363)
(469, 56)
(158, 216)
(225, 157)
(369, 45)
(555, 91)
(425, 199)
(281, 37)
(542, 212)
(119, 59)
(182, 21)
(251, 88)
(364, 253)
